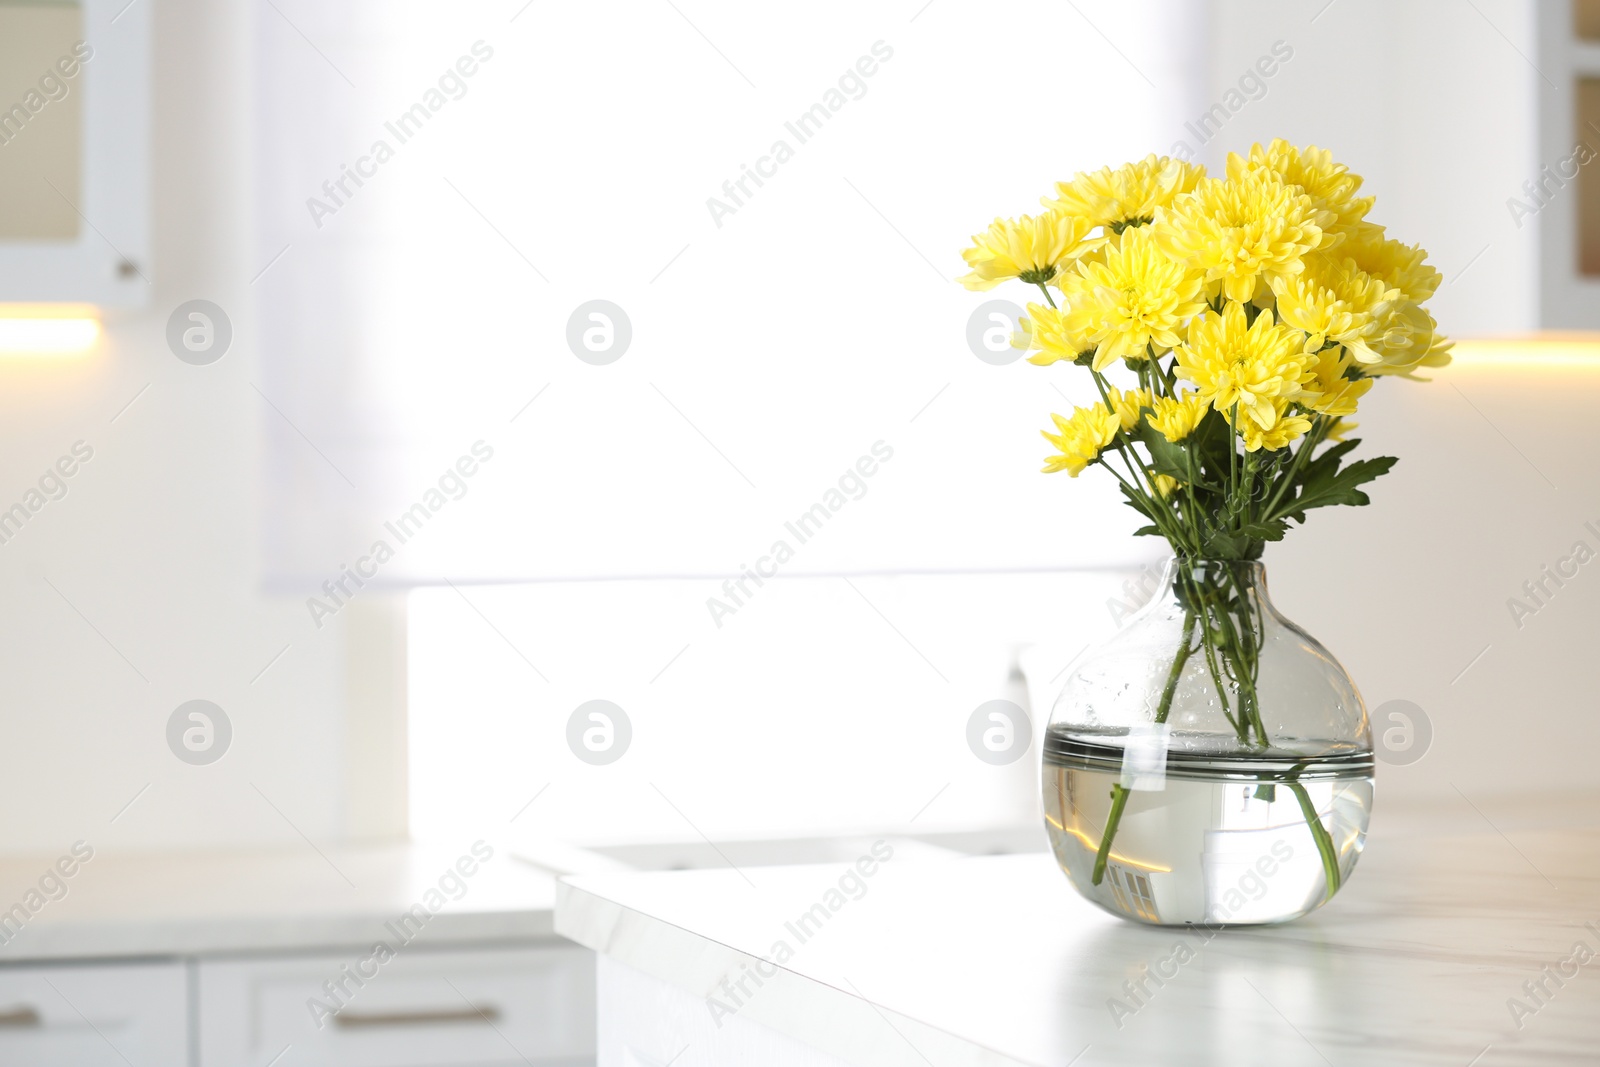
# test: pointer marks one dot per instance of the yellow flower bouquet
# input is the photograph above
(1230, 326)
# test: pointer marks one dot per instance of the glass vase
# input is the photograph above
(1211, 762)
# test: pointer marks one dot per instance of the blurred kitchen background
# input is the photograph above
(373, 324)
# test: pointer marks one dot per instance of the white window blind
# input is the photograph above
(441, 186)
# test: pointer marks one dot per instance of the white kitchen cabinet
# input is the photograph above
(79, 152)
(89, 1015)
(208, 959)
(528, 1005)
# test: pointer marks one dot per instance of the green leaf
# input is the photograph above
(1218, 543)
(1267, 530)
(1327, 484)
(1174, 460)
(1329, 461)
(1212, 442)
(1165, 457)
(1148, 531)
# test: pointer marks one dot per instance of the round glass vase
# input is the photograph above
(1211, 762)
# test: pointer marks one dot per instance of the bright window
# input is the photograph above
(450, 188)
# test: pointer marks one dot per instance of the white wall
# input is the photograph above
(1408, 591)
(1432, 101)
(155, 543)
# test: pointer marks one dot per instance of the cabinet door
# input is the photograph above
(93, 1015)
(530, 1005)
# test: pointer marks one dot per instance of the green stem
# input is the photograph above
(1235, 658)
(1192, 512)
(1319, 430)
(1119, 793)
(1319, 834)
(1047, 295)
(1246, 642)
(1210, 643)
(1233, 452)
(1247, 505)
(1160, 511)
(1155, 508)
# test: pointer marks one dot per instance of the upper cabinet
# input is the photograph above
(75, 152)
(1564, 196)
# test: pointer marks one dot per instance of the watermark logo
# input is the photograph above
(351, 978)
(735, 991)
(1539, 591)
(54, 85)
(999, 732)
(1251, 85)
(1540, 991)
(852, 485)
(1136, 593)
(198, 732)
(990, 329)
(52, 485)
(1541, 191)
(50, 887)
(599, 332)
(452, 485)
(599, 732)
(1251, 886)
(338, 191)
(851, 85)
(1403, 733)
(199, 332)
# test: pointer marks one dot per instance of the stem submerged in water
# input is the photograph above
(1119, 793)
(1319, 834)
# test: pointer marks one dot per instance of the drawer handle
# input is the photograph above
(19, 1018)
(484, 1013)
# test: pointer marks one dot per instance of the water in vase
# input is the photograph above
(1202, 837)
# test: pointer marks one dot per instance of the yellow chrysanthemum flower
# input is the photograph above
(1331, 186)
(1406, 335)
(1130, 296)
(1401, 266)
(1178, 417)
(1128, 405)
(1410, 340)
(1329, 391)
(1081, 439)
(1165, 484)
(1235, 365)
(1031, 248)
(1126, 196)
(1047, 329)
(1242, 232)
(1284, 428)
(1334, 301)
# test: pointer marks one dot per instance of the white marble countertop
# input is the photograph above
(293, 899)
(995, 960)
